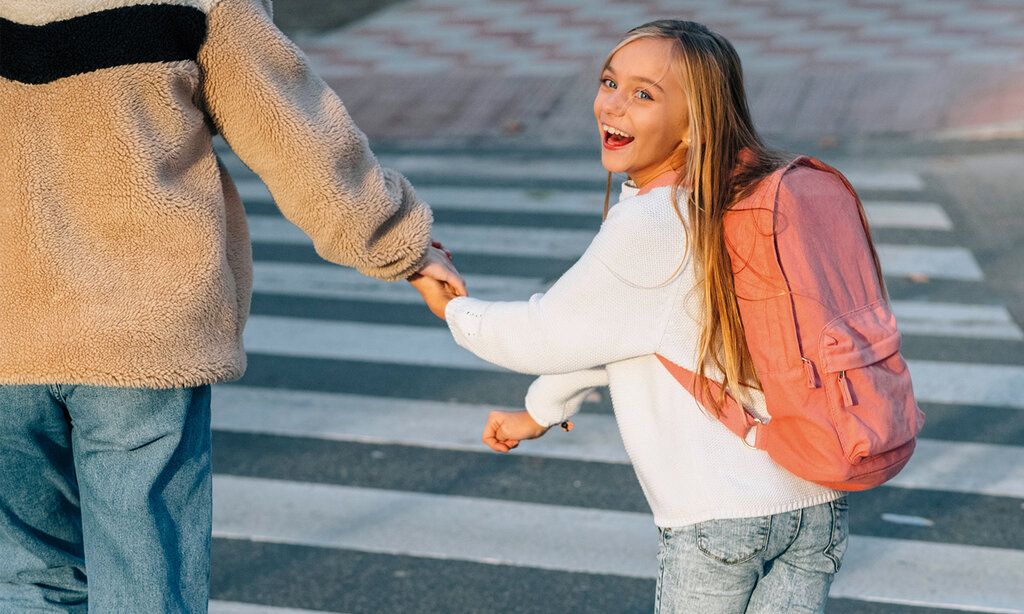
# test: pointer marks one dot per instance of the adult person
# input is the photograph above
(126, 274)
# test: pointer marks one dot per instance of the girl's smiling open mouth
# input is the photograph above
(613, 138)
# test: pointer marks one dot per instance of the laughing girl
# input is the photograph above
(738, 532)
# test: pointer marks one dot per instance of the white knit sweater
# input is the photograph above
(631, 296)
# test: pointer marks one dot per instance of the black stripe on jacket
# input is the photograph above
(115, 37)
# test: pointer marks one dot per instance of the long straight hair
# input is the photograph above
(724, 162)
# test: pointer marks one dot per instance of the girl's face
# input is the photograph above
(641, 111)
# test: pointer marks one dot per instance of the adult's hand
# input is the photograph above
(505, 429)
(438, 265)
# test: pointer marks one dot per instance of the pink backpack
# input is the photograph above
(822, 336)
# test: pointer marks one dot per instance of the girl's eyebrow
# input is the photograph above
(650, 82)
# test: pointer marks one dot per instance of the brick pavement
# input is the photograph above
(456, 69)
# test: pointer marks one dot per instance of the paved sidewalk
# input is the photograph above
(458, 69)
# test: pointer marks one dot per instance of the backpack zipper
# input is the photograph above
(812, 381)
(844, 387)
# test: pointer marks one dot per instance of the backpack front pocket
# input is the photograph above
(867, 382)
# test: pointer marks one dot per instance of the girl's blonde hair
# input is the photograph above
(716, 174)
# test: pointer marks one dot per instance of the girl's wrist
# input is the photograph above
(537, 426)
(445, 304)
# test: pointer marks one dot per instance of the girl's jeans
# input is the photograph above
(765, 565)
(109, 484)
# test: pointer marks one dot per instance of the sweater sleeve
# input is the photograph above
(288, 126)
(557, 397)
(595, 314)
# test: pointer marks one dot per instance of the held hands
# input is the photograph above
(505, 429)
(438, 282)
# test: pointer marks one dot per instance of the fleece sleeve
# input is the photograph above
(288, 126)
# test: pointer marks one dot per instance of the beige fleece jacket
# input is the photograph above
(124, 254)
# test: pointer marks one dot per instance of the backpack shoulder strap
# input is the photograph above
(773, 199)
(806, 161)
(733, 415)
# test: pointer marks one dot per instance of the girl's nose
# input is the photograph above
(616, 103)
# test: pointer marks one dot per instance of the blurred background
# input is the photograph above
(349, 472)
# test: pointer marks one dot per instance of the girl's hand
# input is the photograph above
(505, 429)
(435, 294)
(438, 282)
(438, 265)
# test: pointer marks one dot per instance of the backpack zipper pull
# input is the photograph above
(844, 387)
(812, 381)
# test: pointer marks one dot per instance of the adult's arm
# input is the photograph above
(288, 126)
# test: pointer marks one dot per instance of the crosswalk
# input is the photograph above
(349, 475)
(901, 260)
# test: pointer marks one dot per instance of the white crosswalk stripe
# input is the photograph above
(950, 382)
(940, 382)
(330, 281)
(897, 260)
(947, 319)
(932, 262)
(896, 214)
(881, 214)
(578, 539)
(933, 575)
(460, 239)
(937, 465)
(455, 168)
(479, 530)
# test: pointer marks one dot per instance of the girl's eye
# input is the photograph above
(643, 95)
(609, 83)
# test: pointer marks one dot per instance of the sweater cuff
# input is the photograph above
(547, 413)
(544, 414)
(465, 316)
(554, 398)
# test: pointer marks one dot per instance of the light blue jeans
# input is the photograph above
(105, 499)
(763, 565)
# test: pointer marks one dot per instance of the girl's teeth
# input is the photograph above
(614, 131)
